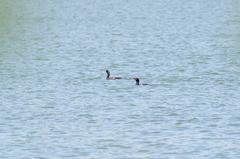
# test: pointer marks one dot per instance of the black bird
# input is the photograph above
(138, 82)
(111, 78)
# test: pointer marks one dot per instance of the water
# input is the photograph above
(55, 102)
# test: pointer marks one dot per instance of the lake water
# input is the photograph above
(56, 103)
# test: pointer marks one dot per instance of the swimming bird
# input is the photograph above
(111, 78)
(138, 82)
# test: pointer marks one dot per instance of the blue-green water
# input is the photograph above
(55, 102)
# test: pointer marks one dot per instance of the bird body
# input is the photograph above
(111, 78)
(138, 82)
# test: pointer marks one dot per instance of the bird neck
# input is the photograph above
(108, 75)
(137, 82)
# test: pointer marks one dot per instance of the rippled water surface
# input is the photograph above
(56, 103)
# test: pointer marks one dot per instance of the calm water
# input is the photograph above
(55, 102)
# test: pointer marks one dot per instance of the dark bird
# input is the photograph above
(111, 78)
(138, 82)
